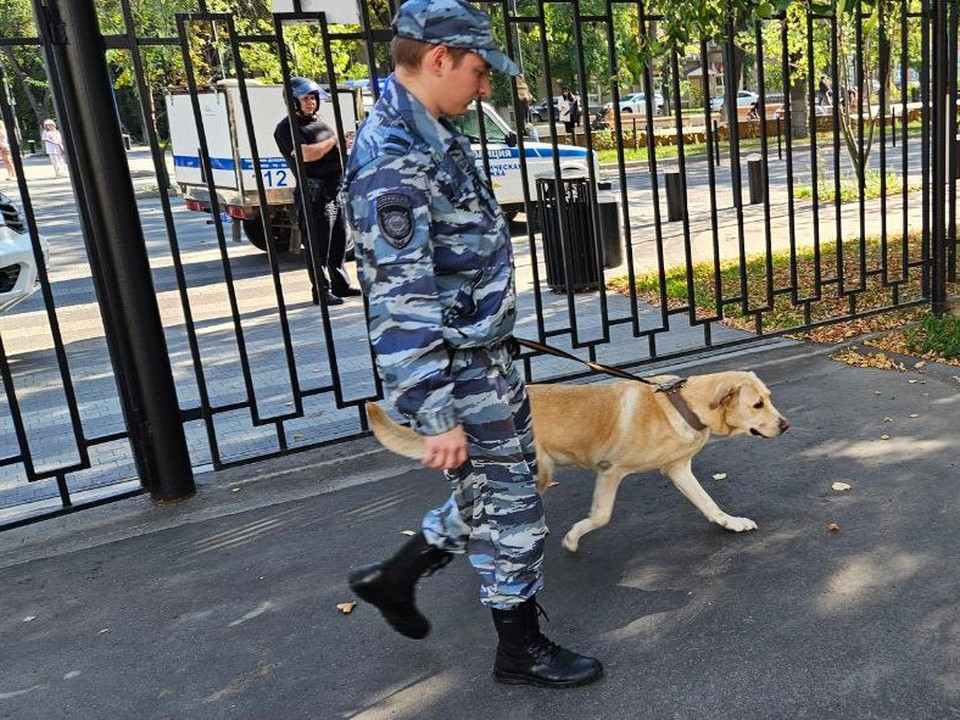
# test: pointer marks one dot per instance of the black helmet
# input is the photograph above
(300, 87)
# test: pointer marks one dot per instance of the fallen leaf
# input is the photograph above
(912, 381)
(719, 476)
(347, 607)
(298, 436)
(920, 364)
(840, 486)
(884, 437)
(30, 618)
(888, 419)
(234, 489)
(877, 392)
(408, 533)
(914, 415)
(103, 631)
(833, 527)
(552, 483)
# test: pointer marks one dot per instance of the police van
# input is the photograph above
(230, 170)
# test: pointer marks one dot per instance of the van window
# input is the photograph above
(469, 125)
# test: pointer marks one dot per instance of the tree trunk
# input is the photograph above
(37, 107)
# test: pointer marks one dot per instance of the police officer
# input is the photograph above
(317, 200)
(436, 262)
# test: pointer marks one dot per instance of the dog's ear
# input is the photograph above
(724, 393)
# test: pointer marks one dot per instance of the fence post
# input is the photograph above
(74, 51)
(940, 147)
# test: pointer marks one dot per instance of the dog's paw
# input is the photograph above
(570, 543)
(737, 524)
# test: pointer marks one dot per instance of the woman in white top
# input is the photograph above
(5, 153)
(568, 109)
(53, 144)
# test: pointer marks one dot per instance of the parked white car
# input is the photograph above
(18, 267)
(637, 103)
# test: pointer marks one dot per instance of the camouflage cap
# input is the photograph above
(454, 23)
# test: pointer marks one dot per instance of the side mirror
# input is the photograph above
(511, 139)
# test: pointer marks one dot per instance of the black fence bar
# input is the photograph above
(939, 107)
(146, 381)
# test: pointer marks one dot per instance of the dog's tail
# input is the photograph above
(393, 436)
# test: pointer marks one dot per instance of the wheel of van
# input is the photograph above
(253, 229)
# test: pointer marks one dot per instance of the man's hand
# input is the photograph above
(446, 451)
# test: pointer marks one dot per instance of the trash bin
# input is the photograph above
(609, 225)
(574, 247)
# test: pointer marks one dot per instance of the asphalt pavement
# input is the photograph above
(225, 606)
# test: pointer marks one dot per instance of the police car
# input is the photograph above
(503, 156)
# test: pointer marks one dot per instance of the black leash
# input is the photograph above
(671, 389)
(595, 366)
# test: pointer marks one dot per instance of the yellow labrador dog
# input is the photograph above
(625, 427)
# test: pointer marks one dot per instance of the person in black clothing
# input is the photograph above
(316, 196)
(824, 91)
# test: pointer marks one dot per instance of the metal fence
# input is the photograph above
(160, 344)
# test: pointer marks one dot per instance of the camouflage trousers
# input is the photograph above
(494, 514)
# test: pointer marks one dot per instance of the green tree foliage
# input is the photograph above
(643, 35)
(22, 67)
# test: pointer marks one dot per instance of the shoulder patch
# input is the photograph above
(397, 141)
(395, 219)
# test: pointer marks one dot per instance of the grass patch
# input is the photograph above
(850, 191)
(936, 336)
(779, 312)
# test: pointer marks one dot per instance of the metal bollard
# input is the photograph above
(716, 141)
(893, 128)
(33, 146)
(779, 138)
(755, 179)
(673, 185)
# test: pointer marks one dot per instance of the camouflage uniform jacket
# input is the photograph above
(433, 252)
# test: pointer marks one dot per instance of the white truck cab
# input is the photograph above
(234, 179)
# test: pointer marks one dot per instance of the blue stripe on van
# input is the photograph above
(192, 161)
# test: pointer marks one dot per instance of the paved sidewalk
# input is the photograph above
(225, 606)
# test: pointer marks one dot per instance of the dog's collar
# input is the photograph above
(672, 391)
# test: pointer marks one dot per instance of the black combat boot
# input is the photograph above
(389, 585)
(526, 657)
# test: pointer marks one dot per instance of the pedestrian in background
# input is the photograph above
(5, 154)
(568, 109)
(436, 262)
(53, 146)
(824, 91)
(316, 198)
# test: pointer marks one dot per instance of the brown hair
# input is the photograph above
(409, 53)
